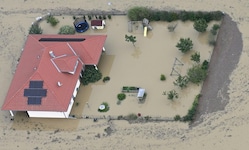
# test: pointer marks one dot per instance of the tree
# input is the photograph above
(90, 75)
(184, 45)
(200, 25)
(196, 74)
(52, 20)
(195, 57)
(181, 81)
(131, 39)
(67, 30)
(35, 29)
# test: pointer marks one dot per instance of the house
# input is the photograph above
(46, 79)
(98, 24)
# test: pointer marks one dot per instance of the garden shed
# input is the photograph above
(140, 94)
(98, 24)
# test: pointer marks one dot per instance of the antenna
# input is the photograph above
(51, 53)
(59, 83)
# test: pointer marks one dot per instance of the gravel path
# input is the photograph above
(224, 60)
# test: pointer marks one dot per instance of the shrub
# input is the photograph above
(35, 29)
(204, 65)
(196, 74)
(183, 16)
(191, 16)
(74, 17)
(172, 16)
(104, 17)
(121, 96)
(90, 75)
(106, 79)
(109, 16)
(207, 16)
(177, 117)
(155, 15)
(130, 38)
(163, 77)
(67, 30)
(184, 45)
(131, 116)
(195, 57)
(106, 107)
(171, 94)
(192, 110)
(138, 13)
(52, 20)
(200, 25)
(214, 29)
(181, 81)
(89, 17)
(217, 15)
(212, 42)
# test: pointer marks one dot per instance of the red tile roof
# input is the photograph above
(36, 64)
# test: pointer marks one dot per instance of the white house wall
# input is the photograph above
(75, 89)
(46, 114)
(54, 114)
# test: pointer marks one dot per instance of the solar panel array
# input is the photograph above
(35, 92)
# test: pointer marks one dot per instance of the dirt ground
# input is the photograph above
(222, 120)
(224, 60)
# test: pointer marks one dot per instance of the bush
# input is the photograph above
(52, 20)
(106, 79)
(162, 78)
(214, 29)
(89, 17)
(131, 116)
(67, 30)
(183, 16)
(181, 81)
(200, 25)
(90, 75)
(192, 110)
(121, 96)
(196, 74)
(109, 16)
(155, 16)
(177, 117)
(138, 13)
(172, 16)
(217, 15)
(35, 29)
(204, 65)
(212, 42)
(195, 57)
(184, 45)
(106, 107)
(171, 94)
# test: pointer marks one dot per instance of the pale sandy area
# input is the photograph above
(226, 129)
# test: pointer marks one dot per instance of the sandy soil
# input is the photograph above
(224, 129)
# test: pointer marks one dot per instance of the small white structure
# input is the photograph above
(140, 94)
(98, 24)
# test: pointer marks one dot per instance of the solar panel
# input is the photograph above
(35, 92)
(61, 39)
(34, 100)
(36, 84)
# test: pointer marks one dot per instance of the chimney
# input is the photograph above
(51, 53)
(59, 83)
